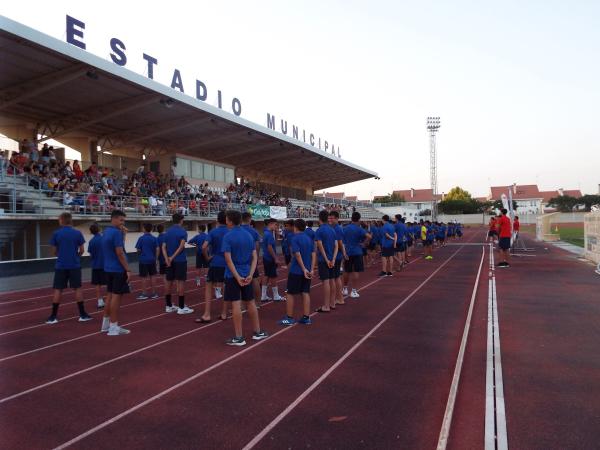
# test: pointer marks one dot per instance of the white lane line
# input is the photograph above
(183, 383)
(109, 361)
(56, 344)
(447, 422)
(501, 432)
(256, 439)
(496, 437)
(49, 296)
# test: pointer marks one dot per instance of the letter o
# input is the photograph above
(236, 106)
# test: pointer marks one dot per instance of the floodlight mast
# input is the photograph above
(433, 125)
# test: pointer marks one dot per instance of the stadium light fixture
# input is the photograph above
(433, 125)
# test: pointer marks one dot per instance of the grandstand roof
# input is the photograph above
(69, 92)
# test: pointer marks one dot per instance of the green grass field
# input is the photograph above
(571, 235)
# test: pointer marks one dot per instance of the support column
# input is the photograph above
(93, 151)
(38, 252)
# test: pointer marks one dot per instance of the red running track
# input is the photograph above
(375, 373)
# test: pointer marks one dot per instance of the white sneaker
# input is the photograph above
(154, 296)
(117, 331)
(344, 291)
(170, 309)
(266, 299)
(101, 303)
(279, 298)
(185, 310)
(218, 293)
(354, 294)
(197, 281)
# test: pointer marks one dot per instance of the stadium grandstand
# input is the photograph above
(145, 148)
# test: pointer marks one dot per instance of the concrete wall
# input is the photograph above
(592, 237)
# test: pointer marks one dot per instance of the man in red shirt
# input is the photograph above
(504, 235)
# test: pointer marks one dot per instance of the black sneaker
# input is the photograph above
(382, 274)
(236, 341)
(85, 317)
(52, 320)
(260, 335)
(389, 274)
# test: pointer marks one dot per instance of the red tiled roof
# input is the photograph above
(352, 198)
(417, 195)
(519, 191)
(573, 193)
(547, 195)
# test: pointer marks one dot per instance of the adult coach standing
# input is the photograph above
(504, 235)
(116, 273)
(67, 243)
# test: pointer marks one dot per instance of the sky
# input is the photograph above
(515, 82)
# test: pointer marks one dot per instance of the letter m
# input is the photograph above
(270, 121)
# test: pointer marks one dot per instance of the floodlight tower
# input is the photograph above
(433, 125)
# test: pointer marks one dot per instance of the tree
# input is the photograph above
(457, 193)
(390, 198)
(564, 203)
(469, 206)
(589, 200)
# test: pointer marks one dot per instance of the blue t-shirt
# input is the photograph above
(147, 244)
(442, 231)
(286, 243)
(354, 235)
(67, 241)
(339, 236)
(303, 244)
(376, 237)
(240, 244)
(430, 233)
(198, 240)
(326, 234)
(268, 239)
(389, 229)
(173, 238)
(252, 231)
(215, 240)
(95, 251)
(310, 232)
(111, 239)
(160, 240)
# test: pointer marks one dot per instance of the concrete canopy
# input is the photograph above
(64, 92)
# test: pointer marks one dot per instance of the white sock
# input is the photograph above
(345, 288)
(264, 291)
(105, 323)
(114, 324)
(275, 292)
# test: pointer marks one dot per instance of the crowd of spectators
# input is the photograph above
(101, 189)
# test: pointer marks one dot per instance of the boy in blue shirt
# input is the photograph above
(270, 262)
(327, 250)
(147, 247)
(334, 218)
(354, 236)
(304, 260)
(116, 272)
(67, 244)
(239, 251)
(95, 251)
(173, 250)
(160, 240)
(388, 243)
(216, 267)
(247, 225)
(400, 247)
(201, 261)
(286, 244)
(309, 229)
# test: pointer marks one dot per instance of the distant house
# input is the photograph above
(418, 198)
(547, 195)
(527, 197)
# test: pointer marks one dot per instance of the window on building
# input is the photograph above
(209, 172)
(183, 167)
(220, 174)
(229, 175)
(197, 170)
